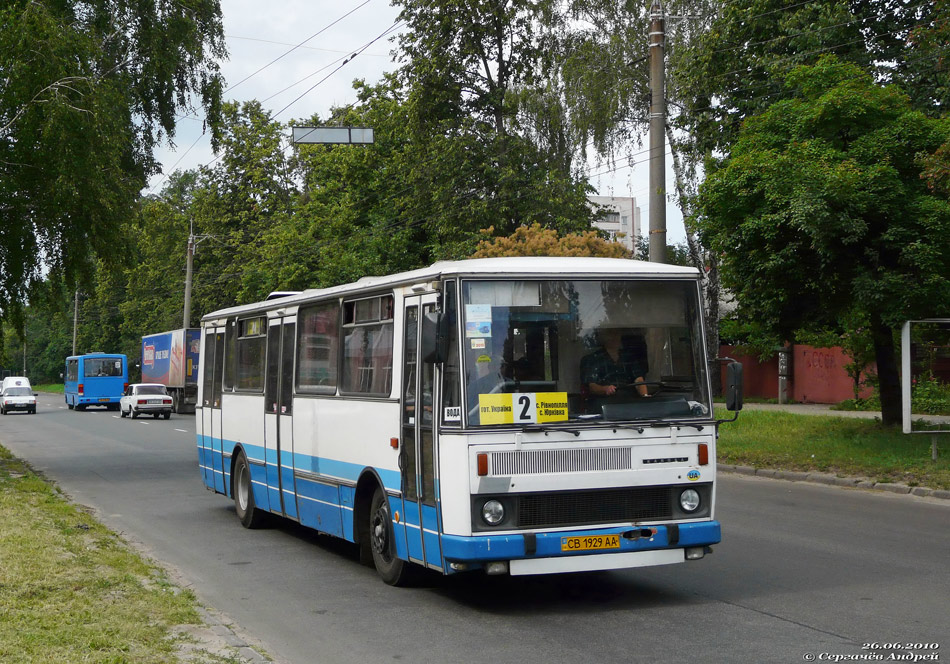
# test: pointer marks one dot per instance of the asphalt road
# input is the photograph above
(803, 570)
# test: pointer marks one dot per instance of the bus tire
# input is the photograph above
(391, 569)
(243, 493)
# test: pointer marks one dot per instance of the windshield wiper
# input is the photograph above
(546, 429)
(677, 423)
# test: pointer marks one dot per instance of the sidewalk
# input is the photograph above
(825, 409)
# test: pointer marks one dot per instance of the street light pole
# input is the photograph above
(75, 317)
(657, 135)
(189, 267)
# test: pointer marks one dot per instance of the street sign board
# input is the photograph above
(333, 135)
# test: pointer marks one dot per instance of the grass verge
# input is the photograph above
(843, 446)
(71, 590)
(56, 388)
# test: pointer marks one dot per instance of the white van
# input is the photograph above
(15, 381)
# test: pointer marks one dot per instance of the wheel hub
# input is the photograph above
(379, 539)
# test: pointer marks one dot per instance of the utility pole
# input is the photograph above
(657, 199)
(75, 317)
(189, 266)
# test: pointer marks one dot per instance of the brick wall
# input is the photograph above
(818, 375)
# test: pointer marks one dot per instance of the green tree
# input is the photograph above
(155, 291)
(88, 90)
(537, 241)
(235, 205)
(354, 216)
(728, 60)
(492, 145)
(821, 211)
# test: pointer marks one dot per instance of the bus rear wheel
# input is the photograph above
(391, 569)
(243, 493)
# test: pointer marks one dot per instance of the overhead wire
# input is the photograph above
(309, 48)
(346, 61)
(286, 53)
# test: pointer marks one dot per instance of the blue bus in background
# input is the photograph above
(96, 379)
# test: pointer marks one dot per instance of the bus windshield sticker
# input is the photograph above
(453, 414)
(477, 320)
(522, 408)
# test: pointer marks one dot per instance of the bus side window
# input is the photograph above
(218, 369)
(230, 355)
(368, 346)
(251, 350)
(318, 348)
(206, 379)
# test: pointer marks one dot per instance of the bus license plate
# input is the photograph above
(590, 542)
(103, 398)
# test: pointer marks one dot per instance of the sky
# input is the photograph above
(291, 82)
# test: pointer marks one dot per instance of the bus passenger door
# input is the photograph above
(278, 414)
(212, 442)
(417, 453)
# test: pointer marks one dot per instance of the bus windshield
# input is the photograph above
(548, 351)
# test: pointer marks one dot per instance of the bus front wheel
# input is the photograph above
(391, 569)
(243, 492)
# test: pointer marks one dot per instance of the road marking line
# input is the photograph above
(182, 430)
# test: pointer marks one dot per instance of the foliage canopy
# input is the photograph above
(820, 211)
(88, 89)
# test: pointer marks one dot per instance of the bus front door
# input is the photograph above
(417, 452)
(278, 416)
(212, 441)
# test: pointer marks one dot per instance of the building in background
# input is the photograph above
(622, 219)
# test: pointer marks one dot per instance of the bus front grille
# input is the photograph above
(532, 462)
(576, 508)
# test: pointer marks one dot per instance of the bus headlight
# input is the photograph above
(689, 500)
(493, 512)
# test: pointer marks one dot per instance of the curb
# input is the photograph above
(216, 638)
(834, 480)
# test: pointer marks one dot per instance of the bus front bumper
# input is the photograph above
(544, 553)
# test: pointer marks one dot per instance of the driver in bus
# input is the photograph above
(613, 366)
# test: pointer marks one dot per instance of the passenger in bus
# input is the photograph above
(615, 364)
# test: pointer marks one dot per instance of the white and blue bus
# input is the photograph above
(513, 415)
(95, 379)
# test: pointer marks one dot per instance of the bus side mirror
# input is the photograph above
(734, 386)
(434, 338)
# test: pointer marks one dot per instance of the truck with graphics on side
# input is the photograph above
(171, 359)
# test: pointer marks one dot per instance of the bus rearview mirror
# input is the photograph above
(734, 386)
(434, 338)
